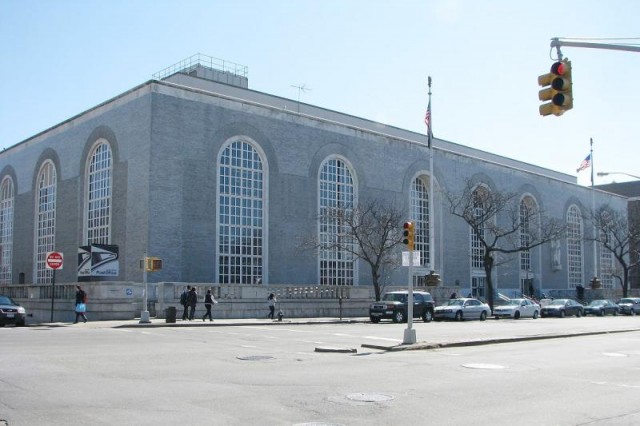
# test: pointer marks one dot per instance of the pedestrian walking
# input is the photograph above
(209, 301)
(271, 301)
(81, 304)
(183, 302)
(192, 300)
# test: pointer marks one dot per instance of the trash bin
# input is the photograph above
(170, 314)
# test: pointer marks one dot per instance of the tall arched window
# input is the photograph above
(336, 198)
(45, 220)
(607, 263)
(98, 194)
(527, 213)
(420, 216)
(574, 247)
(241, 189)
(477, 249)
(6, 229)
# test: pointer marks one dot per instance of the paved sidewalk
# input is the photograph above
(439, 334)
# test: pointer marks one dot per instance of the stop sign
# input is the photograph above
(54, 260)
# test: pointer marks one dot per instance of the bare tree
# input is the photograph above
(501, 225)
(369, 231)
(619, 235)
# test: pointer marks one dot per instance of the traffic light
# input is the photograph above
(408, 234)
(557, 88)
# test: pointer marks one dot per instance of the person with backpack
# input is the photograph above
(208, 302)
(81, 304)
(192, 300)
(183, 302)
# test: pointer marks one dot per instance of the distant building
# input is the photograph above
(222, 182)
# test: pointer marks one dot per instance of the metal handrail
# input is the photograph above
(204, 60)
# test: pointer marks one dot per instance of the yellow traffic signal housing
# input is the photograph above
(557, 88)
(153, 264)
(408, 234)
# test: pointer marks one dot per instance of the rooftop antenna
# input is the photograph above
(301, 88)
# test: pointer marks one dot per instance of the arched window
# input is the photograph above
(98, 194)
(607, 263)
(574, 247)
(6, 229)
(241, 189)
(336, 198)
(420, 217)
(46, 185)
(477, 249)
(527, 214)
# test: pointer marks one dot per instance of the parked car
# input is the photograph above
(561, 308)
(629, 305)
(517, 308)
(394, 306)
(11, 312)
(601, 307)
(461, 309)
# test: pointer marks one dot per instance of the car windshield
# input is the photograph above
(512, 302)
(455, 302)
(5, 300)
(558, 302)
(626, 301)
(395, 297)
(597, 303)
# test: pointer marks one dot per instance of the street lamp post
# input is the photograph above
(617, 173)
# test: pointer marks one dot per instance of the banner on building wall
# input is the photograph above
(98, 260)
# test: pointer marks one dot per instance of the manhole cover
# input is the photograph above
(369, 397)
(255, 357)
(484, 366)
(318, 424)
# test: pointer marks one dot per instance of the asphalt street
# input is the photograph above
(571, 371)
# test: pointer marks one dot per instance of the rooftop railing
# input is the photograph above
(205, 61)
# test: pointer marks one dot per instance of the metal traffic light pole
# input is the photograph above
(557, 42)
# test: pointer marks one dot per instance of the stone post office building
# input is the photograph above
(221, 182)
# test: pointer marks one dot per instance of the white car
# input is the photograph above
(517, 308)
(462, 309)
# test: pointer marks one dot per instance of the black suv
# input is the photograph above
(394, 306)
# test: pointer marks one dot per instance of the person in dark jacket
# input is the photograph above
(208, 303)
(81, 304)
(183, 301)
(271, 302)
(192, 300)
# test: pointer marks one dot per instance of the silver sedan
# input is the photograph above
(461, 309)
(517, 308)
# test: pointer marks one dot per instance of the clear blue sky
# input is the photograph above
(362, 57)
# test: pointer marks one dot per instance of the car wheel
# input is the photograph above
(543, 315)
(516, 315)
(601, 313)
(374, 320)
(615, 313)
(20, 324)
(483, 315)
(459, 316)
(398, 316)
(427, 316)
(562, 314)
(578, 313)
(535, 314)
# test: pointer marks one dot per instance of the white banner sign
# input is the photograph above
(405, 258)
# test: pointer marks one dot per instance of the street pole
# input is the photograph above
(53, 291)
(144, 316)
(432, 219)
(409, 332)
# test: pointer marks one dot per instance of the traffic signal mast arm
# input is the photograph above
(558, 43)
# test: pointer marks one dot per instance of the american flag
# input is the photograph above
(586, 163)
(427, 121)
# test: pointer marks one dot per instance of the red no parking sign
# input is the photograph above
(55, 260)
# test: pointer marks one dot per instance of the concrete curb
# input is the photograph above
(426, 345)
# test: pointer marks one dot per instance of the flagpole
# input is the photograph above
(432, 251)
(593, 210)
